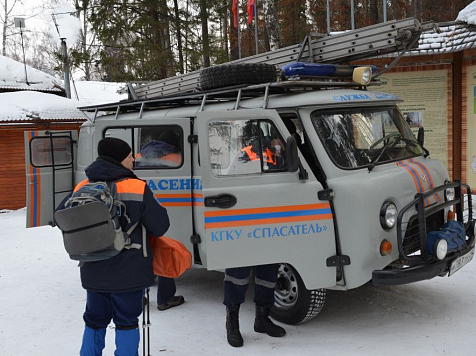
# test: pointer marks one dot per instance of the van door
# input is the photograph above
(163, 159)
(50, 167)
(256, 211)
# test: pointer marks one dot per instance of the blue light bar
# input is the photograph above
(313, 70)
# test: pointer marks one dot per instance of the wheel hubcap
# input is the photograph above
(286, 293)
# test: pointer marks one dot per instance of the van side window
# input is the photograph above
(153, 146)
(160, 147)
(245, 147)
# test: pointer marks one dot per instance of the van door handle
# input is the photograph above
(223, 201)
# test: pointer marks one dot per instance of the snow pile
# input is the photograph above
(468, 14)
(12, 75)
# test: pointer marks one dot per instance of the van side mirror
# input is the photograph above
(421, 136)
(292, 157)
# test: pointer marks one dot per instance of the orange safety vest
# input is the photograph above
(268, 156)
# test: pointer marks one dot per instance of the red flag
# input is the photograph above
(251, 10)
(234, 9)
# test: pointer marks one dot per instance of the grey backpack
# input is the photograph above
(90, 223)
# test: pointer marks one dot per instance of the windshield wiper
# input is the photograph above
(415, 144)
(374, 162)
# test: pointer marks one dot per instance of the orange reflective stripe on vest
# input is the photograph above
(80, 184)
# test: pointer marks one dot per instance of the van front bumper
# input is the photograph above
(392, 277)
(418, 265)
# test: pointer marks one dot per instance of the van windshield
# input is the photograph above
(357, 138)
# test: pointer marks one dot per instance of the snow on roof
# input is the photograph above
(12, 77)
(95, 93)
(30, 105)
(468, 14)
(453, 37)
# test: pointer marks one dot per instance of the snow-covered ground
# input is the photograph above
(41, 306)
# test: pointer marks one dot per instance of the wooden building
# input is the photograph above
(437, 82)
(12, 155)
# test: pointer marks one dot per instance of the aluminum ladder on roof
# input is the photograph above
(390, 37)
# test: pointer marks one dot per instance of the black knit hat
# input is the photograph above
(114, 148)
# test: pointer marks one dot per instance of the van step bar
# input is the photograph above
(384, 38)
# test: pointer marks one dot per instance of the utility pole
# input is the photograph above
(328, 18)
(67, 86)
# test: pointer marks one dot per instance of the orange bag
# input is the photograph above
(170, 257)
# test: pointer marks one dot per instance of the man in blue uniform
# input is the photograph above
(236, 284)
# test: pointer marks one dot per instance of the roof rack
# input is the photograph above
(390, 37)
(235, 93)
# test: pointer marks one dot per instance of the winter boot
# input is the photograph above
(233, 334)
(93, 342)
(127, 342)
(264, 325)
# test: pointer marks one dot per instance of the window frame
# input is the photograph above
(165, 126)
(262, 170)
(51, 146)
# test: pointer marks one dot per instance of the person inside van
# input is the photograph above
(163, 152)
(269, 148)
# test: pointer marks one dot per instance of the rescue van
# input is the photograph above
(314, 171)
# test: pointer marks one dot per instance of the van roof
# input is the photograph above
(189, 105)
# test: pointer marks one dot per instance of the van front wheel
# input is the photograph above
(293, 303)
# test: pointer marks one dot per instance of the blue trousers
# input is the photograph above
(236, 284)
(165, 290)
(124, 309)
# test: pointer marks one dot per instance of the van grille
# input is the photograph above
(411, 241)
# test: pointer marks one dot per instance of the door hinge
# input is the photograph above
(193, 138)
(326, 194)
(335, 261)
(195, 239)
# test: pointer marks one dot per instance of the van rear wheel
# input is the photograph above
(293, 303)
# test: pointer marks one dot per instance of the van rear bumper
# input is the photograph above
(392, 277)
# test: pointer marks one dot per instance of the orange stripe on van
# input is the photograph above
(32, 189)
(267, 209)
(427, 171)
(134, 186)
(268, 221)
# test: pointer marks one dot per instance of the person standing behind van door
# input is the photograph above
(160, 153)
(235, 286)
(115, 287)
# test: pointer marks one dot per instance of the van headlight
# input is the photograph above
(450, 194)
(441, 248)
(388, 215)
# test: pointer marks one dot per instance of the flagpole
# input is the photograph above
(238, 25)
(256, 27)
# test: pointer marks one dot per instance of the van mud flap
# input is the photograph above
(415, 262)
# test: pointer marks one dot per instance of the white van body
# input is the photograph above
(325, 222)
